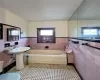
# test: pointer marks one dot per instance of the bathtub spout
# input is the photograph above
(46, 47)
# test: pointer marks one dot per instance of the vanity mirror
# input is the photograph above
(13, 34)
(85, 22)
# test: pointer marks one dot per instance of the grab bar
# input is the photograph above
(86, 44)
(75, 42)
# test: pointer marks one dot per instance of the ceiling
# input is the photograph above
(89, 10)
(42, 10)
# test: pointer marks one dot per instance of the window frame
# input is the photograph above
(98, 33)
(38, 35)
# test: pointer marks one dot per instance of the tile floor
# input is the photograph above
(48, 72)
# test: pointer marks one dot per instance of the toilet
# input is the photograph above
(8, 76)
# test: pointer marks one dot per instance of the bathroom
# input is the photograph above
(49, 40)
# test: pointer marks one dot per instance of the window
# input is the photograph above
(46, 35)
(14, 32)
(90, 31)
(46, 32)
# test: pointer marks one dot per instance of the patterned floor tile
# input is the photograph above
(48, 72)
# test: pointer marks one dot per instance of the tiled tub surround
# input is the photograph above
(86, 60)
(60, 44)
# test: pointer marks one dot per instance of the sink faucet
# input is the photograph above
(13, 46)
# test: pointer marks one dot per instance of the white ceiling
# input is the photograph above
(41, 10)
(89, 10)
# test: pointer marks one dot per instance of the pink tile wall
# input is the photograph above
(97, 45)
(94, 44)
(87, 61)
(23, 42)
(60, 44)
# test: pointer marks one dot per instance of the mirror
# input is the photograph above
(72, 25)
(85, 22)
(13, 34)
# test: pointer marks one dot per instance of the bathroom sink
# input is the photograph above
(19, 51)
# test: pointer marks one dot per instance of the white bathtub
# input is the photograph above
(47, 56)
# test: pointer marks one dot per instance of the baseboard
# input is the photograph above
(78, 72)
(6, 69)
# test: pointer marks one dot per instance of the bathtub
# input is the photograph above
(47, 56)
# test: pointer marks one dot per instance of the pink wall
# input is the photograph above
(86, 60)
(60, 44)
(23, 42)
(94, 44)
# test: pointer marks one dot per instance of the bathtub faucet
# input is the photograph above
(46, 47)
